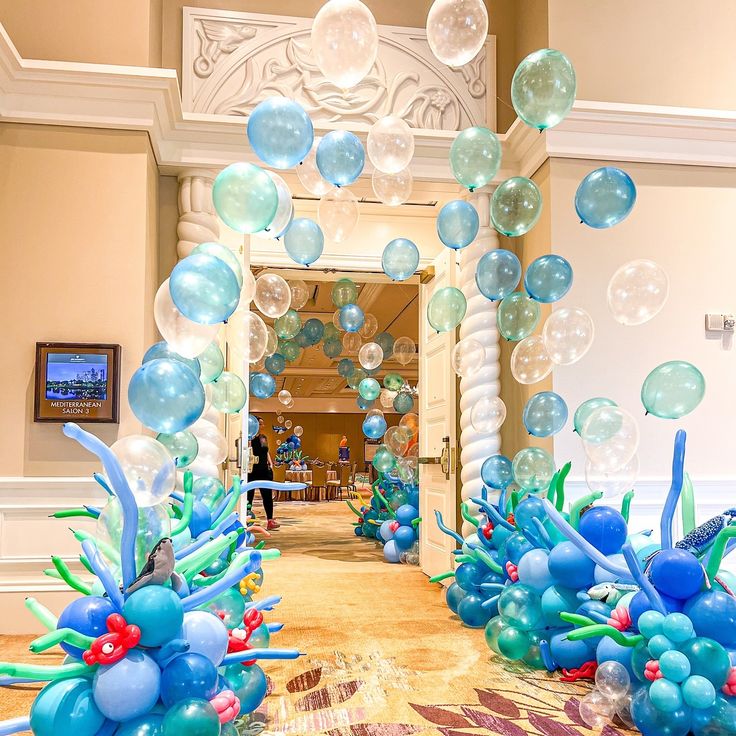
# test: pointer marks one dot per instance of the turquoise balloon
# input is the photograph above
(344, 291)
(314, 329)
(545, 414)
(304, 241)
(698, 692)
(66, 708)
(345, 367)
(280, 132)
(245, 197)
(224, 254)
(369, 389)
(210, 491)
(673, 390)
(229, 606)
(521, 607)
(384, 460)
(516, 205)
(543, 88)
(403, 403)
(517, 316)
(475, 156)
(204, 289)
(252, 426)
(249, 685)
(548, 278)
(340, 157)
(165, 396)
(513, 643)
(533, 469)
(332, 348)
(157, 611)
(148, 725)
(386, 340)
(400, 259)
(666, 696)
(288, 325)
(497, 274)
(262, 385)
(586, 409)
(229, 393)
(605, 197)
(275, 364)
(351, 318)
(191, 717)
(182, 446)
(162, 350)
(446, 309)
(212, 362)
(674, 666)
(457, 224)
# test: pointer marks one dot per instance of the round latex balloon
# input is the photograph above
(147, 466)
(446, 309)
(467, 357)
(496, 472)
(544, 414)
(384, 460)
(568, 335)
(211, 362)
(344, 42)
(181, 446)
(613, 482)
(610, 438)
(586, 409)
(488, 414)
(288, 325)
(637, 292)
(344, 292)
(338, 214)
(272, 295)
(249, 330)
(356, 377)
(497, 274)
(351, 343)
(370, 355)
(346, 367)
(387, 398)
(280, 132)
(370, 326)
(397, 440)
(229, 393)
(548, 278)
(290, 350)
(400, 259)
(475, 157)
(304, 241)
(530, 362)
(517, 316)
(457, 224)
(298, 431)
(393, 381)
(284, 396)
(386, 341)
(204, 289)
(390, 144)
(405, 350)
(262, 385)
(224, 254)
(314, 329)
(309, 175)
(605, 197)
(369, 389)
(374, 426)
(340, 155)
(533, 469)
(284, 211)
(543, 88)
(332, 348)
(299, 293)
(673, 389)
(457, 30)
(392, 189)
(275, 364)
(403, 403)
(245, 197)
(351, 318)
(162, 350)
(516, 205)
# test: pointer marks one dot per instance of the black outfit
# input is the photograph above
(261, 471)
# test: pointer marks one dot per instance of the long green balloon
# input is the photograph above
(52, 638)
(560, 499)
(687, 501)
(719, 549)
(186, 515)
(69, 577)
(45, 672)
(579, 505)
(42, 614)
(626, 505)
(465, 513)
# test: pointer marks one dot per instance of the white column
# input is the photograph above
(198, 222)
(480, 324)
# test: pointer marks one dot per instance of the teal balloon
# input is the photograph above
(666, 696)
(162, 350)
(543, 88)
(211, 362)
(157, 611)
(150, 724)
(290, 350)
(229, 393)
(314, 329)
(304, 241)
(192, 717)
(384, 460)
(446, 309)
(520, 606)
(345, 367)
(386, 340)
(351, 318)
(249, 685)
(165, 396)
(516, 205)
(332, 348)
(545, 414)
(517, 316)
(280, 132)
(303, 340)
(340, 157)
(400, 259)
(224, 254)
(605, 197)
(204, 289)
(457, 224)
(288, 325)
(403, 403)
(513, 643)
(252, 426)
(707, 659)
(245, 197)
(497, 274)
(66, 708)
(369, 389)
(548, 278)
(275, 364)
(344, 291)
(210, 491)
(674, 665)
(586, 409)
(182, 446)
(673, 389)
(262, 385)
(229, 606)
(475, 157)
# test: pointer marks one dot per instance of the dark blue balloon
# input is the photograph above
(87, 615)
(604, 528)
(472, 613)
(262, 385)
(275, 364)
(457, 224)
(188, 676)
(280, 132)
(358, 531)
(497, 274)
(469, 575)
(201, 519)
(605, 197)
(340, 157)
(677, 573)
(713, 614)
(548, 278)
(655, 722)
(496, 472)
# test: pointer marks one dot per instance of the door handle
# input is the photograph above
(443, 460)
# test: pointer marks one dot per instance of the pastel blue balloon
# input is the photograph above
(275, 364)
(605, 197)
(162, 350)
(340, 157)
(458, 224)
(262, 385)
(403, 403)
(374, 427)
(137, 675)
(346, 367)
(534, 571)
(165, 395)
(385, 530)
(497, 274)
(314, 329)
(400, 259)
(496, 472)
(351, 318)
(66, 707)
(204, 289)
(252, 426)
(391, 552)
(545, 414)
(548, 278)
(304, 241)
(206, 634)
(386, 340)
(280, 132)
(245, 197)
(369, 388)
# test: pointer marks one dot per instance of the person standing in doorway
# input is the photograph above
(262, 470)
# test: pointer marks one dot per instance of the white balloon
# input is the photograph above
(299, 293)
(204, 469)
(392, 189)
(210, 452)
(248, 330)
(637, 292)
(610, 437)
(457, 30)
(488, 414)
(467, 357)
(530, 362)
(284, 210)
(272, 296)
(351, 342)
(404, 350)
(612, 483)
(338, 214)
(370, 355)
(309, 175)
(568, 334)
(370, 326)
(390, 144)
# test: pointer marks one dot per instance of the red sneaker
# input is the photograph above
(272, 524)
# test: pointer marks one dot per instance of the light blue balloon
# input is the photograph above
(304, 241)
(403, 403)
(385, 530)
(224, 254)
(369, 388)
(496, 472)
(162, 350)
(458, 224)
(204, 289)
(351, 318)
(346, 367)
(206, 634)
(212, 363)
(252, 426)
(605, 197)
(548, 278)
(165, 395)
(391, 552)
(245, 197)
(262, 385)
(374, 427)
(497, 274)
(340, 157)
(545, 414)
(280, 132)
(138, 676)
(400, 259)
(275, 364)
(66, 707)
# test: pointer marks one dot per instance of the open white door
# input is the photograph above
(438, 426)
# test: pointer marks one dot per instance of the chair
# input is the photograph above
(343, 481)
(352, 486)
(319, 483)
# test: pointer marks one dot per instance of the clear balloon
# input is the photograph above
(393, 189)
(249, 288)
(287, 423)
(468, 357)
(153, 525)
(637, 292)
(162, 350)
(497, 274)
(457, 30)
(298, 431)
(516, 205)
(181, 446)
(596, 709)
(475, 157)
(545, 414)
(272, 295)
(340, 156)
(351, 317)
(488, 414)
(245, 197)
(351, 343)
(304, 241)
(530, 362)
(400, 259)
(148, 468)
(446, 309)
(457, 224)
(548, 278)
(280, 132)
(262, 385)
(272, 342)
(612, 483)
(370, 326)
(605, 197)
(288, 325)
(610, 437)
(299, 293)
(370, 355)
(338, 214)
(405, 350)
(568, 335)
(517, 316)
(586, 409)
(673, 389)
(228, 393)
(397, 440)
(248, 330)
(204, 289)
(533, 469)
(387, 398)
(390, 144)
(344, 291)
(224, 254)
(309, 175)
(284, 396)
(284, 210)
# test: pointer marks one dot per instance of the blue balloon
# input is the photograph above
(469, 575)
(252, 426)
(453, 596)
(340, 157)
(206, 634)
(400, 259)
(605, 197)
(374, 427)
(608, 650)
(654, 722)
(515, 547)
(713, 614)
(406, 513)
(136, 675)
(262, 385)
(280, 132)
(314, 329)
(458, 224)
(496, 472)
(165, 395)
(157, 611)
(201, 519)
(87, 615)
(249, 685)
(346, 367)
(351, 318)
(188, 676)
(386, 340)
(527, 510)
(497, 274)
(604, 528)
(66, 707)
(385, 530)
(544, 414)
(566, 653)
(275, 364)
(677, 573)
(391, 552)
(571, 566)
(548, 278)
(204, 289)
(404, 537)
(304, 241)
(533, 569)
(471, 611)
(162, 350)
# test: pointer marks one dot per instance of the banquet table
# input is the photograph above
(305, 476)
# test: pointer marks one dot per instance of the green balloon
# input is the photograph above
(393, 381)
(229, 393)
(517, 316)
(288, 325)
(356, 377)
(344, 292)
(384, 460)
(211, 363)
(191, 717)
(369, 389)
(513, 643)
(224, 254)
(209, 491)
(332, 348)
(493, 630)
(331, 332)
(533, 657)
(673, 389)
(543, 88)
(290, 350)
(586, 409)
(515, 206)
(398, 499)
(182, 447)
(707, 659)
(475, 157)
(245, 197)
(446, 309)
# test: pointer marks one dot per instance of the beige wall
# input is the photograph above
(80, 263)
